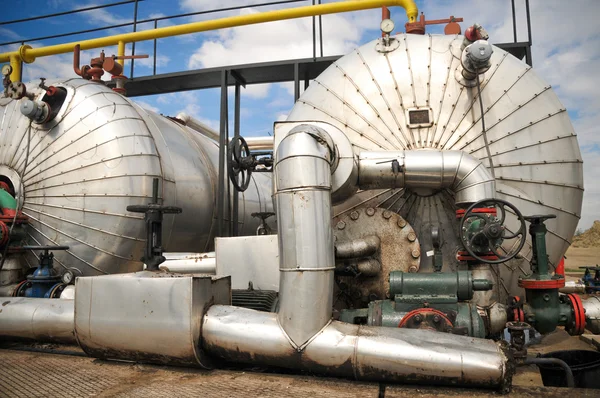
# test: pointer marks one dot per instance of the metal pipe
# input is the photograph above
(573, 287)
(241, 335)
(190, 263)
(37, 319)
(122, 25)
(198, 126)
(554, 361)
(302, 192)
(427, 171)
(358, 247)
(25, 53)
(135, 15)
(591, 306)
(260, 143)
(353, 267)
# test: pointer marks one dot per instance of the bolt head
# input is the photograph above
(387, 214)
(341, 225)
(401, 222)
(370, 211)
(412, 237)
(418, 318)
(354, 215)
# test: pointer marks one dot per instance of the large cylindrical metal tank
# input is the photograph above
(410, 94)
(99, 155)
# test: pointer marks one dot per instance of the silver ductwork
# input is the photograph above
(427, 172)
(591, 306)
(302, 192)
(37, 319)
(241, 335)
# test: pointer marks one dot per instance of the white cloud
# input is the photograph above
(146, 105)
(102, 15)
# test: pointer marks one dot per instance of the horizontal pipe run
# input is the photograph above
(198, 126)
(49, 320)
(356, 248)
(29, 55)
(577, 287)
(206, 265)
(260, 143)
(426, 172)
(241, 335)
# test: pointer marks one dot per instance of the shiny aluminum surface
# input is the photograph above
(302, 193)
(97, 157)
(37, 319)
(536, 160)
(241, 335)
(160, 321)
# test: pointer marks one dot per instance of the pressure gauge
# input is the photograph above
(387, 26)
(6, 70)
(68, 277)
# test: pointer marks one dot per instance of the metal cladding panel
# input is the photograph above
(146, 316)
(536, 158)
(97, 157)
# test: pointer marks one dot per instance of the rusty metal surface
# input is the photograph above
(34, 374)
(399, 251)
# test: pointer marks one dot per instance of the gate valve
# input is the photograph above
(483, 232)
(45, 280)
(264, 228)
(153, 217)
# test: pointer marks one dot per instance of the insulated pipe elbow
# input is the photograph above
(302, 192)
(241, 335)
(427, 171)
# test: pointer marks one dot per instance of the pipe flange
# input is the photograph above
(28, 59)
(398, 250)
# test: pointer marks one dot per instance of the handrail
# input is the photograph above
(28, 54)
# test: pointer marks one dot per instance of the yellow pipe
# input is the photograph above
(121, 52)
(240, 20)
(15, 62)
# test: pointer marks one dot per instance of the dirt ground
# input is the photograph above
(579, 256)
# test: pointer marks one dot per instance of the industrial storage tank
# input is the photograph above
(76, 175)
(410, 94)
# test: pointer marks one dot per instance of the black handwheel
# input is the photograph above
(492, 233)
(240, 163)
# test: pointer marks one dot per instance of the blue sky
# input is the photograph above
(566, 53)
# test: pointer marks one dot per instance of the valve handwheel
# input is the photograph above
(493, 231)
(240, 164)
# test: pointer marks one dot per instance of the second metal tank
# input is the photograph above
(99, 155)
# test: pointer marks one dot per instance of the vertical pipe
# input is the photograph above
(314, 33)
(121, 52)
(135, 14)
(302, 180)
(236, 134)
(222, 151)
(321, 32)
(385, 14)
(154, 66)
(17, 68)
(529, 59)
(296, 81)
(514, 20)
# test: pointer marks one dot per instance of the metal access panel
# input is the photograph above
(146, 316)
(249, 259)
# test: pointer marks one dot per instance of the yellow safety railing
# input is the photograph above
(28, 54)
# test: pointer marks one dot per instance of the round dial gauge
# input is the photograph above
(387, 26)
(68, 277)
(6, 70)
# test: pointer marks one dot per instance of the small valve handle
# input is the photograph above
(154, 207)
(539, 219)
(45, 247)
